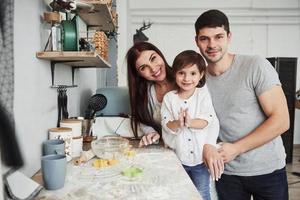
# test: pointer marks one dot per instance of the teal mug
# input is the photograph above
(54, 146)
(54, 171)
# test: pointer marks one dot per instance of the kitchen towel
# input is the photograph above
(113, 125)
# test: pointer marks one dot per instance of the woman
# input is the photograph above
(149, 79)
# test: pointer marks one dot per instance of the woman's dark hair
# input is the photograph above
(188, 58)
(138, 87)
(212, 19)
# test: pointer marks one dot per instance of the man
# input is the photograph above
(252, 109)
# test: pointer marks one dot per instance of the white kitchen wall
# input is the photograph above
(35, 103)
(123, 40)
(270, 28)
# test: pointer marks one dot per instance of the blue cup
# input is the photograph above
(54, 146)
(54, 171)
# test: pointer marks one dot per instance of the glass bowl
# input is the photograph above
(111, 147)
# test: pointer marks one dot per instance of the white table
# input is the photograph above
(163, 178)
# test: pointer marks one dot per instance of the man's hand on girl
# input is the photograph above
(228, 151)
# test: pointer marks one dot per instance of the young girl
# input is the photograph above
(188, 118)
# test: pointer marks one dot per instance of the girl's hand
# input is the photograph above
(181, 117)
(187, 119)
(213, 161)
(149, 139)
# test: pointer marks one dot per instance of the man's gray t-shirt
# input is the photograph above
(235, 98)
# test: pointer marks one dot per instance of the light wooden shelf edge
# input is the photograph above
(100, 19)
(75, 58)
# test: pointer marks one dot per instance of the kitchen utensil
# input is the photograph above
(87, 129)
(96, 103)
(59, 103)
(117, 101)
(62, 104)
(70, 35)
(65, 104)
(110, 147)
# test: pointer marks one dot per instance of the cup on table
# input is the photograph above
(54, 171)
(54, 146)
(64, 134)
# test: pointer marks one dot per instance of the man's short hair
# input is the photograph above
(212, 19)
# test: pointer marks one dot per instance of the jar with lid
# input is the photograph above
(51, 38)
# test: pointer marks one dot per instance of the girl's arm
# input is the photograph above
(194, 123)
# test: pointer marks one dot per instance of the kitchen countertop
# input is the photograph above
(163, 178)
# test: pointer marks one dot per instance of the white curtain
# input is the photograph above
(10, 153)
(6, 55)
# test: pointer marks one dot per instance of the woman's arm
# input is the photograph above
(149, 138)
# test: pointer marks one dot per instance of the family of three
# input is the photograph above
(234, 99)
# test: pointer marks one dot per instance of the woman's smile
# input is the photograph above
(157, 73)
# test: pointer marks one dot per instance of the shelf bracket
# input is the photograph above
(53, 63)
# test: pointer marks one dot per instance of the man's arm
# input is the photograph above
(273, 103)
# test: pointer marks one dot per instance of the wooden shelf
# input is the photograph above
(97, 16)
(98, 19)
(75, 58)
